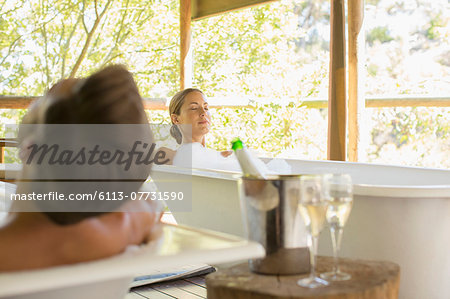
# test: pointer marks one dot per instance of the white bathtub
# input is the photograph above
(111, 277)
(400, 214)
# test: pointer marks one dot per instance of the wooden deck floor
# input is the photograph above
(188, 288)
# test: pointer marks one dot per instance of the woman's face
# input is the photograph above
(194, 112)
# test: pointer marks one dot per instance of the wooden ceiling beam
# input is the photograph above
(207, 8)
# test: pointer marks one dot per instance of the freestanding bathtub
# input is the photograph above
(400, 214)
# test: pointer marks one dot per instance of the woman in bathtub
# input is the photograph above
(191, 122)
(190, 107)
(40, 239)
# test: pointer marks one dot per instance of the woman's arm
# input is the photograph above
(168, 154)
(226, 153)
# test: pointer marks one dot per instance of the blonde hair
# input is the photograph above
(175, 105)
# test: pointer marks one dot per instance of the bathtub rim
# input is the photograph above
(371, 190)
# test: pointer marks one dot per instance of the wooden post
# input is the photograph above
(6, 142)
(337, 105)
(185, 44)
(355, 76)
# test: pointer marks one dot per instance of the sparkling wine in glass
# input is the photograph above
(313, 208)
(339, 207)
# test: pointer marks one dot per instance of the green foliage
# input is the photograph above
(275, 54)
(411, 136)
(437, 23)
(415, 60)
(158, 117)
(372, 69)
(45, 41)
(274, 130)
(10, 117)
(380, 34)
(406, 136)
(256, 52)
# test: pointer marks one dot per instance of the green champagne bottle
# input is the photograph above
(250, 165)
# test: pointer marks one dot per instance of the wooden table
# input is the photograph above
(370, 279)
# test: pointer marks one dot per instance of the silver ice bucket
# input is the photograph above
(271, 217)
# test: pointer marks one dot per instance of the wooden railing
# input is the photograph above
(22, 102)
(6, 142)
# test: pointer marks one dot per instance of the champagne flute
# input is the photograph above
(313, 207)
(339, 207)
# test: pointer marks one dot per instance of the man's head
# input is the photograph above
(108, 97)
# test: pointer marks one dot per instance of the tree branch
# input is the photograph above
(47, 71)
(67, 44)
(60, 41)
(11, 48)
(117, 35)
(96, 11)
(88, 41)
(12, 9)
(112, 58)
(82, 19)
